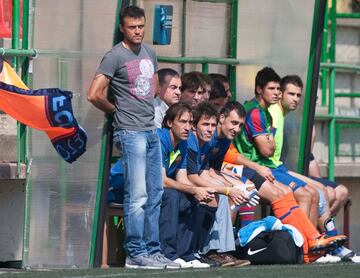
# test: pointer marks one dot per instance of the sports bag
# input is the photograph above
(271, 247)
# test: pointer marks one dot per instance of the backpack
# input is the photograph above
(271, 247)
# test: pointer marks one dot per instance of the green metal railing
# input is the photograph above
(204, 61)
(329, 67)
(311, 85)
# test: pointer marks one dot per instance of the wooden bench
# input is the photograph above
(113, 209)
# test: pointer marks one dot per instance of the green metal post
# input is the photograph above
(333, 32)
(332, 76)
(105, 145)
(233, 48)
(324, 59)
(28, 187)
(15, 42)
(24, 76)
(331, 127)
(311, 86)
(183, 35)
(205, 68)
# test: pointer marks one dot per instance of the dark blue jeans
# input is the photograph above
(184, 224)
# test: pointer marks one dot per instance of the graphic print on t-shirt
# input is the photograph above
(140, 74)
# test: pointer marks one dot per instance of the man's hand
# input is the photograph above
(204, 194)
(266, 173)
(249, 190)
(237, 196)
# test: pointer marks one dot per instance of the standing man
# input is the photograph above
(169, 93)
(126, 72)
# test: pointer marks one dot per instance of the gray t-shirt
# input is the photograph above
(131, 85)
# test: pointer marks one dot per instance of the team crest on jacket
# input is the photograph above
(215, 150)
(292, 185)
(178, 158)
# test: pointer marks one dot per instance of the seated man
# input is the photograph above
(169, 93)
(224, 80)
(256, 142)
(179, 213)
(193, 88)
(291, 87)
(256, 145)
(221, 238)
(218, 97)
(338, 193)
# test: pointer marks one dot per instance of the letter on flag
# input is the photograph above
(48, 110)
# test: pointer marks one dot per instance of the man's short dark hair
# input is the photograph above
(131, 11)
(175, 111)
(163, 75)
(264, 76)
(217, 90)
(192, 81)
(217, 76)
(233, 106)
(204, 109)
(291, 79)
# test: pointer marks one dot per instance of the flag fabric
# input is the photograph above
(48, 110)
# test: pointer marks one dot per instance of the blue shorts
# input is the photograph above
(282, 175)
(325, 182)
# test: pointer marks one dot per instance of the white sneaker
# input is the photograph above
(183, 264)
(328, 259)
(355, 259)
(343, 253)
(197, 264)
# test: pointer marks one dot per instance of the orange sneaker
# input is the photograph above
(327, 243)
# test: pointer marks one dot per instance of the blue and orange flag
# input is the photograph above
(48, 110)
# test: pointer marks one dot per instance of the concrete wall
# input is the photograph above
(8, 148)
(11, 219)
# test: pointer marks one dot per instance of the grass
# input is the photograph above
(315, 270)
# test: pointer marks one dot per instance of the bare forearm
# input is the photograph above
(200, 181)
(97, 94)
(213, 174)
(241, 160)
(180, 186)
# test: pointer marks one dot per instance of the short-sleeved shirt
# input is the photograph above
(196, 156)
(173, 159)
(217, 150)
(278, 118)
(131, 85)
(160, 110)
(257, 122)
